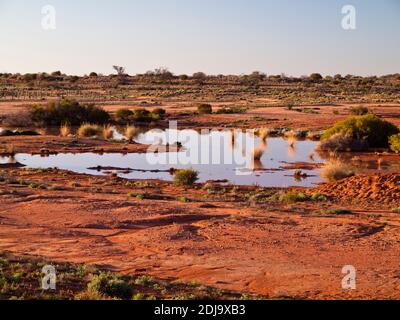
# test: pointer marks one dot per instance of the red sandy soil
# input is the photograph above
(384, 189)
(273, 249)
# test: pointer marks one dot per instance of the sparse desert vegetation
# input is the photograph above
(352, 176)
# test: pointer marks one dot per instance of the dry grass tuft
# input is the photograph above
(263, 133)
(131, 132)
(108, 132)
(335, 170)
(65, 130)
(89, 130)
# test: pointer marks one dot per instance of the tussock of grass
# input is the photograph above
(335, 170)
(89, 130)
(65, 130)
(131, 132)
(108, 132)
(263, 133)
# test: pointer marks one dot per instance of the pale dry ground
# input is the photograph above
(273, 252)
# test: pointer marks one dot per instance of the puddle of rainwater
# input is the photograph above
(240, 169)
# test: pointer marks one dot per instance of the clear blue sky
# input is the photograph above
(295, 37)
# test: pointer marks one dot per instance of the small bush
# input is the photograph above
(335, 170)
(68, 111)
(89, 130)
(204, 108)
(185, 177)
(293, 196)
(109, 285)
(158, 114)
(370, 128)
(394, 142)
(318, 197)
(359, 111)
(123, 114)
(396, 210)
(142, 115)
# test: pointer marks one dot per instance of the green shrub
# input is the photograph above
(68, 111)
(395, 143)
(204, 108)
(158, 114)
(185, 177)
(142, 115)
(396, 210)
(318, 197)
(370, 128)
(109, 285)
(293, 196)
(123, 114)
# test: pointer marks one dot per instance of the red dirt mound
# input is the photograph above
(383, 189)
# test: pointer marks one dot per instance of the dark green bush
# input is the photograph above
(204, 108)
(142, 115)
(123, 114)
(158, 114)
(68, 111)
(370, 128)
(109, 285)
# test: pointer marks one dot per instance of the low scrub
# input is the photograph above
(395, 143)
(204, 108)
(370, 128)
(140, 115)
(186, 177)
(335, 170)
(109, 285)
(359, 111)
(340, 142)
(89, 130)
(68, 111)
